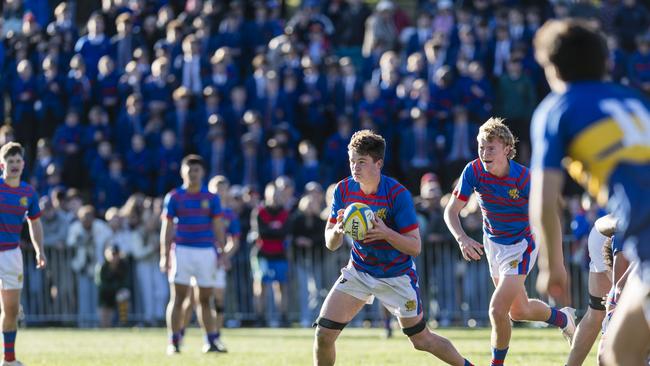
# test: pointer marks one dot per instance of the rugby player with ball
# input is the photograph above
(378, 213)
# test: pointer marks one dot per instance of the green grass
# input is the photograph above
(270, 347)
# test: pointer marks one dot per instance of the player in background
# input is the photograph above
(193, 230)
(382, 265)
(600, 132)
(19, 200)
(502, 187)
(220, 186)
(599, 285)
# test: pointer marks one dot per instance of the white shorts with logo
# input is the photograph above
(400, 295)
(595, 244)
(510, 260)
(11, 269)
(190, 263)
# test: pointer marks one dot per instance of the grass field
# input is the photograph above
(273, 347)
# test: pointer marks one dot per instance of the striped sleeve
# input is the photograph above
(169, 206)
(33, 210)
(405, 217)
(467, 181)
(337, 202)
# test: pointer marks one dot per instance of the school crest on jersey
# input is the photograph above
(513, 264)
(410, 305)
(513, 193)
(23, 201)
(382, 213)
(205, 204)
(20, 277)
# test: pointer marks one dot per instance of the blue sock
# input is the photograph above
(210, 338)
(498, 356)
(557, 318)
(174, 338)
(467, 363)
(9, 345)
(182, 332)
(217, 335)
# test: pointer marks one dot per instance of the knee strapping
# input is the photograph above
(417, 328)
(329, 324)
(596, 303)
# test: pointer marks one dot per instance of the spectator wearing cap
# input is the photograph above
(125, 41)
(169, 156)
(51, 91)
(417, 148)
(381, 32)
(139, 167)
(93, 45)
(639, 65)
(349, 88)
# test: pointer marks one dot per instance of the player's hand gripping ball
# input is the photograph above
(357, 220)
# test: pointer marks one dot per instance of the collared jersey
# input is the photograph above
(192, 214)
(15, 204)
(503, 200)
(393, 204)
(600, 132)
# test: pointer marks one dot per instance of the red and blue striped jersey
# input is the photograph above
(393, 204)
(503, 200)
(15, 204)
(193, 213)
(232, 224)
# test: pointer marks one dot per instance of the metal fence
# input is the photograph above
(454, 292)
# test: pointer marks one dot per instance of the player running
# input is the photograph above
(600, 132)
(19, 200)
(191, 234)
(382, 265)
(502, 187)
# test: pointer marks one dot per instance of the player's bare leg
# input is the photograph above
(502, 298)
(590, 325)
(174, 315)
(10, 304)
(338, 307)
(427, 341)
(628, 336)
(188, 309)
(204, 314)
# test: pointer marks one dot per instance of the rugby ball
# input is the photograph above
(357, 220)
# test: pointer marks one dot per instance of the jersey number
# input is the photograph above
(624, 113)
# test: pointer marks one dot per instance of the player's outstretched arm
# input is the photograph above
(407, 243)
(36, 233)
(470, 248)
(544, 211)
(334, 232)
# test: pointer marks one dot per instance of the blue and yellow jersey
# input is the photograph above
(15, 204)
(394, 205)
(193, 213)
(600, 132)
(503, 200)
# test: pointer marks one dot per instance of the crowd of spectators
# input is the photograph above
(108, 105)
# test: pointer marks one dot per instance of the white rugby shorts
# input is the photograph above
(11, 269)
(510, 260)
(400, 295)
(197, 263)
